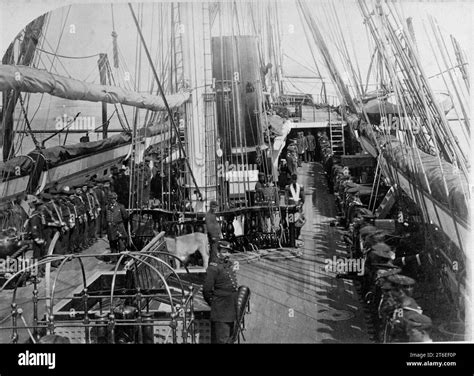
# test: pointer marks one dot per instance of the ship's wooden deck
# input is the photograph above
(296, 300)
(292, 301)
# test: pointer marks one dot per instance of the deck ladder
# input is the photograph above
(336, 132)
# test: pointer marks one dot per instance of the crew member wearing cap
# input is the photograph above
(387, 304)
(295, 196)
(101, 201)
(220, 292)
(93, 212)
(120, 185)
(88, 215)
(402, 289)
(71, 221)
(311, 146)
(106, 189)
(403, 286)
(302, 145)
(291, 162)
(81, 218)
(259, 187)
(378, 256)
(406, 306)
(417, 327)
(283, 174)
(64, 212)
(117, 217)
(52, 218)
(36, 227)
(295, 192)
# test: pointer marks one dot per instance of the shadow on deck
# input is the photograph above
(298, 301)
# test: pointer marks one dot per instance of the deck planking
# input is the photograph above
(297, 300)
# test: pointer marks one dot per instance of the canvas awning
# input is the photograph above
(32, 80)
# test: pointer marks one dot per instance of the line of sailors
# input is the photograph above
(326, 157)
(388, 293)
(396, 315)
(78, 213)
(346, 193)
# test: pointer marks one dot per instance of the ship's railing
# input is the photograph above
(134, 302)
(282, 219)
(309, 99)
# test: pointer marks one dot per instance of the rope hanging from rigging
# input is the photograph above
(114, 39)
(115, 49)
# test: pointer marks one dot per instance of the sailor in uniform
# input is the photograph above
(220, 292)
(295, 196)
(417, 327)
(81, 217)
(117, 217)
(295, 192)
(311, 146)
(36, 227)
(213, 229)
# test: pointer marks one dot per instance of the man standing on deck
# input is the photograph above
(81, 218)
(302, 145)
(117, 218)
(311, 141)
(291, 161)
(295, 196)
(36, 227)
(213, 229)
(259, 187)
(220, 292)
(295, 192)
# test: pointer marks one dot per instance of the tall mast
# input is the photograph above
(170, 114)
(103, 81)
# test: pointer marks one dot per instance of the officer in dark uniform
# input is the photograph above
(81, 218)
(101, 200)
(71, 220)
(36, 227)
(88, 215)
(213, 229)
(220, 292)
(120, 185)
(93, 212)
(117, 218)
(106, 189)
(51, 216)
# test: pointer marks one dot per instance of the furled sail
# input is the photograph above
(31, 80)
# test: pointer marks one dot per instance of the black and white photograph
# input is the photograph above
(235, 172)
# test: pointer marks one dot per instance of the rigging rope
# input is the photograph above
(66, 57)
(52, 63)
(114, 39)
